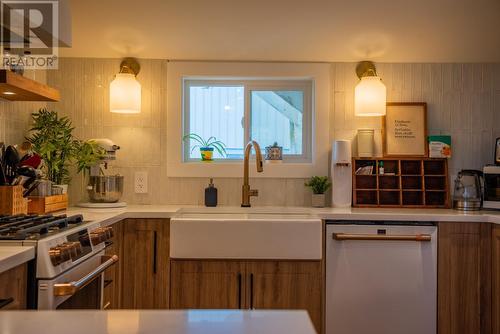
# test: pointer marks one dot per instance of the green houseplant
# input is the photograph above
(88, 154)
(206, 146)
(319, 186)
(52, 138)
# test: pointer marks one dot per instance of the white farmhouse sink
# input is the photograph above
(245, 234)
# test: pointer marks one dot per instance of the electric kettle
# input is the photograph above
(468, 190)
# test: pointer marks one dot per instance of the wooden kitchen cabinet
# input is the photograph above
(145, 264)
(13, 283)
(233, 284)
(464, 278)
(207, 284)
(112, 276)
(496, 280)
(286, 285)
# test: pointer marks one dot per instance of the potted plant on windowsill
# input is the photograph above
(206, 146)
(319, 185)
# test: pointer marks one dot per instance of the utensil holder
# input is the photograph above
(12, 201)
(47, 204)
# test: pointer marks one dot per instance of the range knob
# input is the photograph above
(59, 254)
(97, 236)
(75, 249)
(101, 234)
(109, 232)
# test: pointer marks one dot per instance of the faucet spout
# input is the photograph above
(246, 192)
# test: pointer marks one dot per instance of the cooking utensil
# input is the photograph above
(11, 160)
(32, 160)
(105, 188)
(27, 171)
(31, 188)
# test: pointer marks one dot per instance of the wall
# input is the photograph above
(15, 117)
(463, 100)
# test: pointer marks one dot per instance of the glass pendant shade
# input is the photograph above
(370, 97)
(125, 94)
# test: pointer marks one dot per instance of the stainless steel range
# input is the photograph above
(69, 265)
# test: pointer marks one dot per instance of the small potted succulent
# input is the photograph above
(319, 185)
(206, 146)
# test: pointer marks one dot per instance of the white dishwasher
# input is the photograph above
(381, 277)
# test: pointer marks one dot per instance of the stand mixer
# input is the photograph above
(104, 191)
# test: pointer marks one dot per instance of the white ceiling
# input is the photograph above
(288, 30)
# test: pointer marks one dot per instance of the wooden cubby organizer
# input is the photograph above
(406, 182)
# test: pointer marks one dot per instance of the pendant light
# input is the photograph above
(125, 90)
(370, 94)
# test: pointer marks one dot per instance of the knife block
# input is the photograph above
(12, 201)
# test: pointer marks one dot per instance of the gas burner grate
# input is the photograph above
(22, 227)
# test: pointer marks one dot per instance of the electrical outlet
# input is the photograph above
(141, 182)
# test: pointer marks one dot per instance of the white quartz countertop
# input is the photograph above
(168, 211)
(12, 256)
(156, 322)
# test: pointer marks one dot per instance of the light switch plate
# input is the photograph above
(141, 182)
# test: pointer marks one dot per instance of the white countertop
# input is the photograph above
(157, 321)
(168, 211)
(12, 256)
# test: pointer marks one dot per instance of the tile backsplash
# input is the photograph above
(15, 117)
(463, 101)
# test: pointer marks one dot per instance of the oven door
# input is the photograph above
(79, 288)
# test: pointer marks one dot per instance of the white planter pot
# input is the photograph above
(59, 189)
(318, 200)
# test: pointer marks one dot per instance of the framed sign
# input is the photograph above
(404, 130)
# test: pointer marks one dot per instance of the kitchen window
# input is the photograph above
(235, 111)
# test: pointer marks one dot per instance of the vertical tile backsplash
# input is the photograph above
(463, 101)
(15, 117)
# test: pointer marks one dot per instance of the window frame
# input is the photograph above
(249, 85)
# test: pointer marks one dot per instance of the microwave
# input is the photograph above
(491, 187)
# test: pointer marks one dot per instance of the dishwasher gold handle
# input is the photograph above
(348, 236)
(69, 289)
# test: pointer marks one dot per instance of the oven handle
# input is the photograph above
(69, 289)
(348, 236)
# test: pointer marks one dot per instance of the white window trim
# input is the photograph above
(319, 73)
(249, 86)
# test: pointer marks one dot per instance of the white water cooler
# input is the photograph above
(341, 174)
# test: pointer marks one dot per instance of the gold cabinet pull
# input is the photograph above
(348, 236)
(69, 289)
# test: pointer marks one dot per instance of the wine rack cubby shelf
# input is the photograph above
(406, 183)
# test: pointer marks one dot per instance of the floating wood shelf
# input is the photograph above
(15, 87)
(411, 183)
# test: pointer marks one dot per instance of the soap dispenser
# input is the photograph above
(211, 194)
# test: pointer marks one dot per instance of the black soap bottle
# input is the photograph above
(211, 194)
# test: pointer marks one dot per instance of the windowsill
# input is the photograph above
(235, 170)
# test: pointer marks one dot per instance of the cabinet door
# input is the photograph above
(112, 276)
(207, 284)
(145, 277)
(464, 278)
(286, 285)
(496, 280)
(13, 283)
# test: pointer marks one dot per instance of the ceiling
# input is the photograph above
(288, 30)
